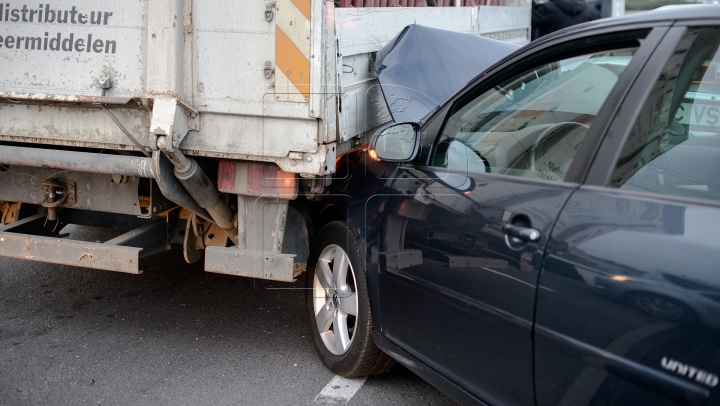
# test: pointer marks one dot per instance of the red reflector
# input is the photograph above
(226, 175)
(256, 179)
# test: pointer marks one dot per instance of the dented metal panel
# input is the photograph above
(423, 66)
(361, 32)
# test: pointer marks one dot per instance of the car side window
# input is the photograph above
(532, 124)
(674, 145)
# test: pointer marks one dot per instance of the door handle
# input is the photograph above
(525, 234)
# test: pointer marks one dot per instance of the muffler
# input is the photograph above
(202, 190)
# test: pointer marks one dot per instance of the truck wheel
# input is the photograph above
(338, 306)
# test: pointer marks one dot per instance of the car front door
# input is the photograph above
(631, 310)
(466, 226)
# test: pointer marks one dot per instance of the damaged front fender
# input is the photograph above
(421, 67)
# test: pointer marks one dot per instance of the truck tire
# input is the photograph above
(337, 301)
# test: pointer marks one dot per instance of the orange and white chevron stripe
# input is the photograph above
(292, 50)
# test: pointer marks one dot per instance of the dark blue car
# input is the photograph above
(547, 235)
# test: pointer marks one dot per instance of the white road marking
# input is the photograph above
(339, 391)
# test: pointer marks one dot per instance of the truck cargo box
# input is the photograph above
(285, 81)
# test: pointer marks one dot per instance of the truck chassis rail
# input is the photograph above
(121, 254)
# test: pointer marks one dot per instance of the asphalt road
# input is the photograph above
(173, 335)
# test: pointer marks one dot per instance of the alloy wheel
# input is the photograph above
(335, 301)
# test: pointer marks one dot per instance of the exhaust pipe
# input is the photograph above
(201, 189)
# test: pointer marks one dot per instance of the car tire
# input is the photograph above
(344, 342)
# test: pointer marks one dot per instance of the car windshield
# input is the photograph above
(574, 92)
(544, 112)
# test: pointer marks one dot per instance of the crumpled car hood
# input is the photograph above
(423, 66)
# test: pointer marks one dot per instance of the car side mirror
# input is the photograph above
(395, 143)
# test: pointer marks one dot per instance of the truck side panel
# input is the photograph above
(68, 47)
(267, 81)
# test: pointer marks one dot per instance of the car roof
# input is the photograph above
(663, 14)
(676, 12)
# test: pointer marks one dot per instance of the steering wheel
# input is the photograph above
(482, 158)
(545, 134)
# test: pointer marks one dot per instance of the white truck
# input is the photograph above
(192, 122)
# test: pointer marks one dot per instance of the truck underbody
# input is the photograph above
(46, 189)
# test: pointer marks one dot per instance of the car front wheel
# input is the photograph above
(338, 307)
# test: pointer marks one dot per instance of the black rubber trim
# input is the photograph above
(425, 372)
(580, 165)
(619, 129)
(459, 300)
